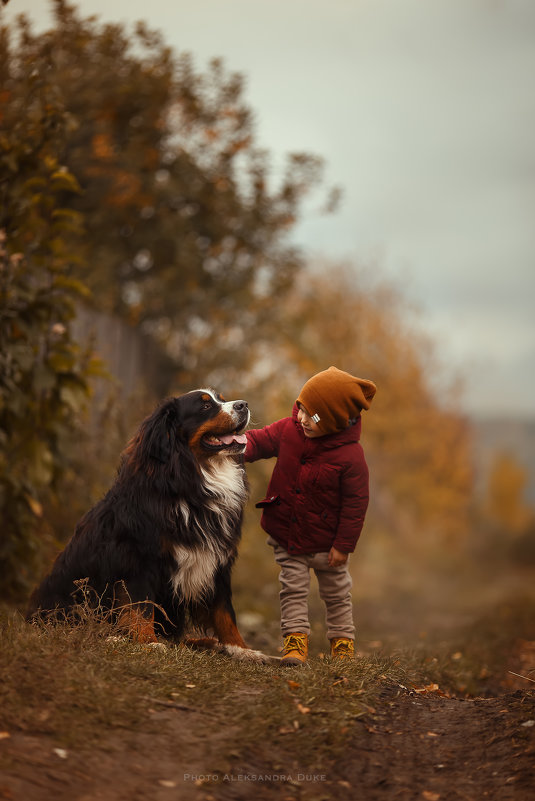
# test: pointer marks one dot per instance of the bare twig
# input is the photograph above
(527, 678)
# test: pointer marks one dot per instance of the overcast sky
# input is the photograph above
(424, 111)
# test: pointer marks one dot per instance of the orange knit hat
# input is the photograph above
(332, 398)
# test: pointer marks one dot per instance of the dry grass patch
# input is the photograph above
(80, 684)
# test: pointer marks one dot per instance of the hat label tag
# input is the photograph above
(315, 418)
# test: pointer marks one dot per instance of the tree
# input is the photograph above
(43, 373)
(131, 182)
(505, 504)
(187, 236)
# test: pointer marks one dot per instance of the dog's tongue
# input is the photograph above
(228, 439)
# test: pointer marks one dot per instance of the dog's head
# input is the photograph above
(212, 425)
(201, 420)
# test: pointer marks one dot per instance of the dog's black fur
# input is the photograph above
(159, 547)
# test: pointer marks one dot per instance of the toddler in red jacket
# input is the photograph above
(316, 503)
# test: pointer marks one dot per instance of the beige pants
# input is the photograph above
(334, 587)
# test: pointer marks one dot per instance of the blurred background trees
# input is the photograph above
(132, 190)
(187, 230)
(44, 374)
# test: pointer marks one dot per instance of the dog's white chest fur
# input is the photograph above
(195, 571)
(197, 565)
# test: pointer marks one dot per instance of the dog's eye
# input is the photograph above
(206, 405)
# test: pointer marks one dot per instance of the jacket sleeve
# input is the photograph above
(263, 443)
(355, 496)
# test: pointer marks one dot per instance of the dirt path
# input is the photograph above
(434, 748)
(418, 746)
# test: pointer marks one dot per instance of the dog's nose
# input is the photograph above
(239, 406)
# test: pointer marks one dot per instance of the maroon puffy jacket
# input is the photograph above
(318, 493)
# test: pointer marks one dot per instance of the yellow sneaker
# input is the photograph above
(295, 651)
(342, 648)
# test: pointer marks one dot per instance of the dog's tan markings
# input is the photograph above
(225, 628)
(137, 620)
(221, 423)
(139, 624)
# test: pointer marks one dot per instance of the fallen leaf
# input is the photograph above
(429, 688)
(286, 730)
(4, 735)
(166, 783)
(527, 724)
(35, 506)
(61, 753)
(341, 680)
(432, 734)
(293, 685)
(429, 796)
(303, 709)
(343, 783)
(190, 686)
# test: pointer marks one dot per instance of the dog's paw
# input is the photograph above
(249, 655)
(160, 645)
(202, 643)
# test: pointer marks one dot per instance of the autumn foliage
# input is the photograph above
(132, 183)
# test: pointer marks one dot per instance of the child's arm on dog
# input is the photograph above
(263, 443)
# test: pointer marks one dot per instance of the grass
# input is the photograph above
(74, 683)
(477, 662)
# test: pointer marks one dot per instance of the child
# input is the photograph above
(315, 504)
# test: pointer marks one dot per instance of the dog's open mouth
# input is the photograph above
(235, 441)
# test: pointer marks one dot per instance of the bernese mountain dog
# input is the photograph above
(157, 550)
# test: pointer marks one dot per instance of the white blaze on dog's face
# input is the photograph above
(217, 426)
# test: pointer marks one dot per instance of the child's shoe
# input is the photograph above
(295, 651)
(342, 648)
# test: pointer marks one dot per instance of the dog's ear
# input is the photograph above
(160, 435)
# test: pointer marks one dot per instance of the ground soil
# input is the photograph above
(415, 745)
(431, 747)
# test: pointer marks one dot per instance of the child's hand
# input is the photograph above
(337, 558)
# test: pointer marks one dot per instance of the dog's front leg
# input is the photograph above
(223, 622)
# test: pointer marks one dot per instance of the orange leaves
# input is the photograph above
(505, 504)
(102, 147)
(126, 186)
(239, 144)
(429, 688)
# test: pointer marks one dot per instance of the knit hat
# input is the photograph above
(332, 398)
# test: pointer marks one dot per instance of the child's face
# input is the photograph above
(310, 428)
